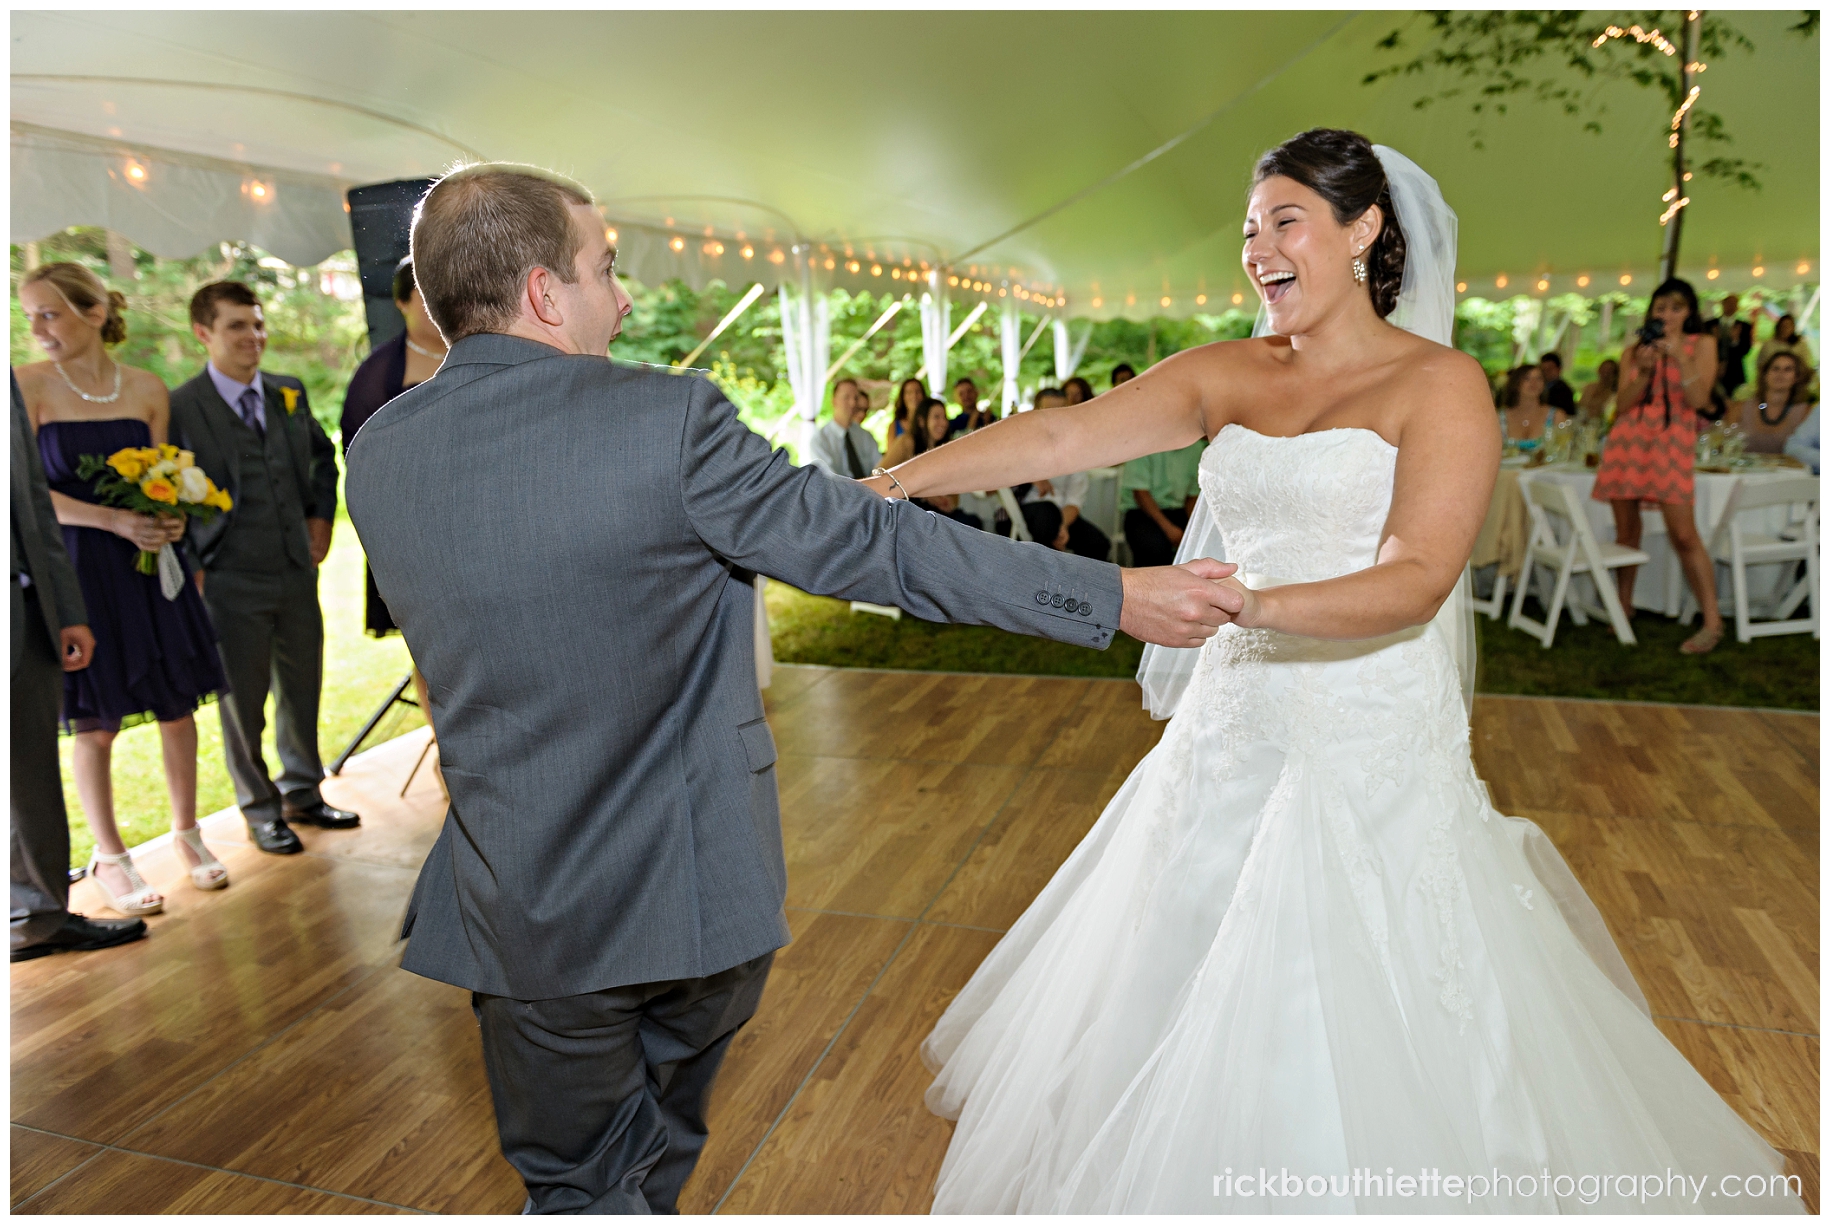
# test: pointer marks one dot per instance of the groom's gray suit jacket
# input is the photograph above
(568, 546)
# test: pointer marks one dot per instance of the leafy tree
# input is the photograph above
(1494, 58)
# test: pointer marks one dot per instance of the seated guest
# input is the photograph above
(1556, 392)
(1598, 397)
(842, 446)
(927, 428)
(909, 399)
(1078, 390)
(1069, 494)
(1122, 373)
(1523, 412)
(1785, 339)
(1803, 445)
(1774, 404)
(1157, 493)
(971, 416)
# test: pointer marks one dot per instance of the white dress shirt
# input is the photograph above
(828, 449)
(1070, 490)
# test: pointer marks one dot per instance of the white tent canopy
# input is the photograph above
(1012, 151)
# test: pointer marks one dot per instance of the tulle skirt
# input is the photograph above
(1301, 964)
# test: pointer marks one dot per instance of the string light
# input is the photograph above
(1714, 273)
(1200, 299)
(776, 256)
(677, 243)
(1499, 282)
(1582, 282)
(1098, 302)
(851, 265)
(1460, 287)
(1165, 299)
(952, 280)
(1803, 268)
(1543, 284)
(876, 269)
(1759, 269)
(748, 251)
(1626, 279)
(136, 173)
(1638, 35)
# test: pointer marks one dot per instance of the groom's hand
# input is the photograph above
(1179, 606)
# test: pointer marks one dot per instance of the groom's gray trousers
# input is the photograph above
(600, 1098)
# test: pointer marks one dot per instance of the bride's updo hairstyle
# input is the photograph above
(83, 291)
(1341, 168)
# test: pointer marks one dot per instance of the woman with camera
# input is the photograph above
(1666, 378)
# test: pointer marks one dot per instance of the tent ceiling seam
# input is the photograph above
(113, 145)
(221, 87)
(1161, 149)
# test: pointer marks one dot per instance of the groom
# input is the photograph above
(568, 546)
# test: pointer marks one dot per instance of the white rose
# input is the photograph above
(193, 485)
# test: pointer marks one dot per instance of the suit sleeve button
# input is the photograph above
(1072, 606)
(1042, 597)
(1058, 601)
(1085, 609)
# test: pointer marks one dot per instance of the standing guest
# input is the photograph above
(971, 416)
(1068, 494)
(1803, 444)
(1157, 494)
(1651, 451)
(1734, 341)
(1785, 339)
(51, 639)
(1523, 412)
(909, 399)
(254, 434)
(1597, 399)
(1775, 405)
(842, 446)
(405, 361)
(155, 659)
(1122, 373)
(1556, 392)
(1078, 390)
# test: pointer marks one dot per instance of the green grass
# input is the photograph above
(359, 671)
(1586, 662)
(1777, 672)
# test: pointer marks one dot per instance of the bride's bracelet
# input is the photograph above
(893, 481)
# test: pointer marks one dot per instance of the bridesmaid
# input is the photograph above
(405, 361)
(1651, 451)
(154, 658)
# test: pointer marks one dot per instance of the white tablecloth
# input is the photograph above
(1660, 584)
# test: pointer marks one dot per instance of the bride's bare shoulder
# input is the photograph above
(1259, 352)
(1442, 377)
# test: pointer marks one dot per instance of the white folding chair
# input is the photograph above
(1580, 555)
(1495, 605)
(1741, 547)
(1019, 528)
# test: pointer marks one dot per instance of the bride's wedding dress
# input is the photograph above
(1301, 949)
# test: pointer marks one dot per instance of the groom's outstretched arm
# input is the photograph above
(833, 537)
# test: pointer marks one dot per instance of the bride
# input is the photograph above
(1300, 964)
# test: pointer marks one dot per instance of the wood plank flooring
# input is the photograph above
(262, 1051)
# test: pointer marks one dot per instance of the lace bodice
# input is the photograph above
(1299, 508)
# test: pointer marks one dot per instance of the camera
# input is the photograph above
(1651, 330)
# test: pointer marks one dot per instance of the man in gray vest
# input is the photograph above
(252, 431)
(50, 637)
(568, 546)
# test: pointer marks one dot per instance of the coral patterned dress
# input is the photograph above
(1651, 451)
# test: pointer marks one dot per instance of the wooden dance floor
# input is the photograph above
(262, 1052)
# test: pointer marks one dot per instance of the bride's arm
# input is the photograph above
(1160, 410)
(1448, 460)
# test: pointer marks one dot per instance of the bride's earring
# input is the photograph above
(1359, 271)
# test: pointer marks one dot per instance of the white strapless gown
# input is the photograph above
(1300, 938)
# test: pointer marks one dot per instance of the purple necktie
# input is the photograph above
(251, 412)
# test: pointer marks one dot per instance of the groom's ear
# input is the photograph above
(537, 297)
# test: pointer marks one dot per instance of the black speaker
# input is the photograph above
(381, 220)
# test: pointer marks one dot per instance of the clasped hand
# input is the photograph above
(150, 532)
(1183, 606)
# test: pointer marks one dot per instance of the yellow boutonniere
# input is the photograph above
(291, 396)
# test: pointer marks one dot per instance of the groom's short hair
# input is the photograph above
(479, 232)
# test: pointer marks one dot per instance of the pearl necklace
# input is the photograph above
(85, 395)
(424, 352)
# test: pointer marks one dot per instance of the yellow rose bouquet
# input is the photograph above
(155, 481)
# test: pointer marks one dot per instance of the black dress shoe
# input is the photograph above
(321, 815)
(275, 837)
(80, 935)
